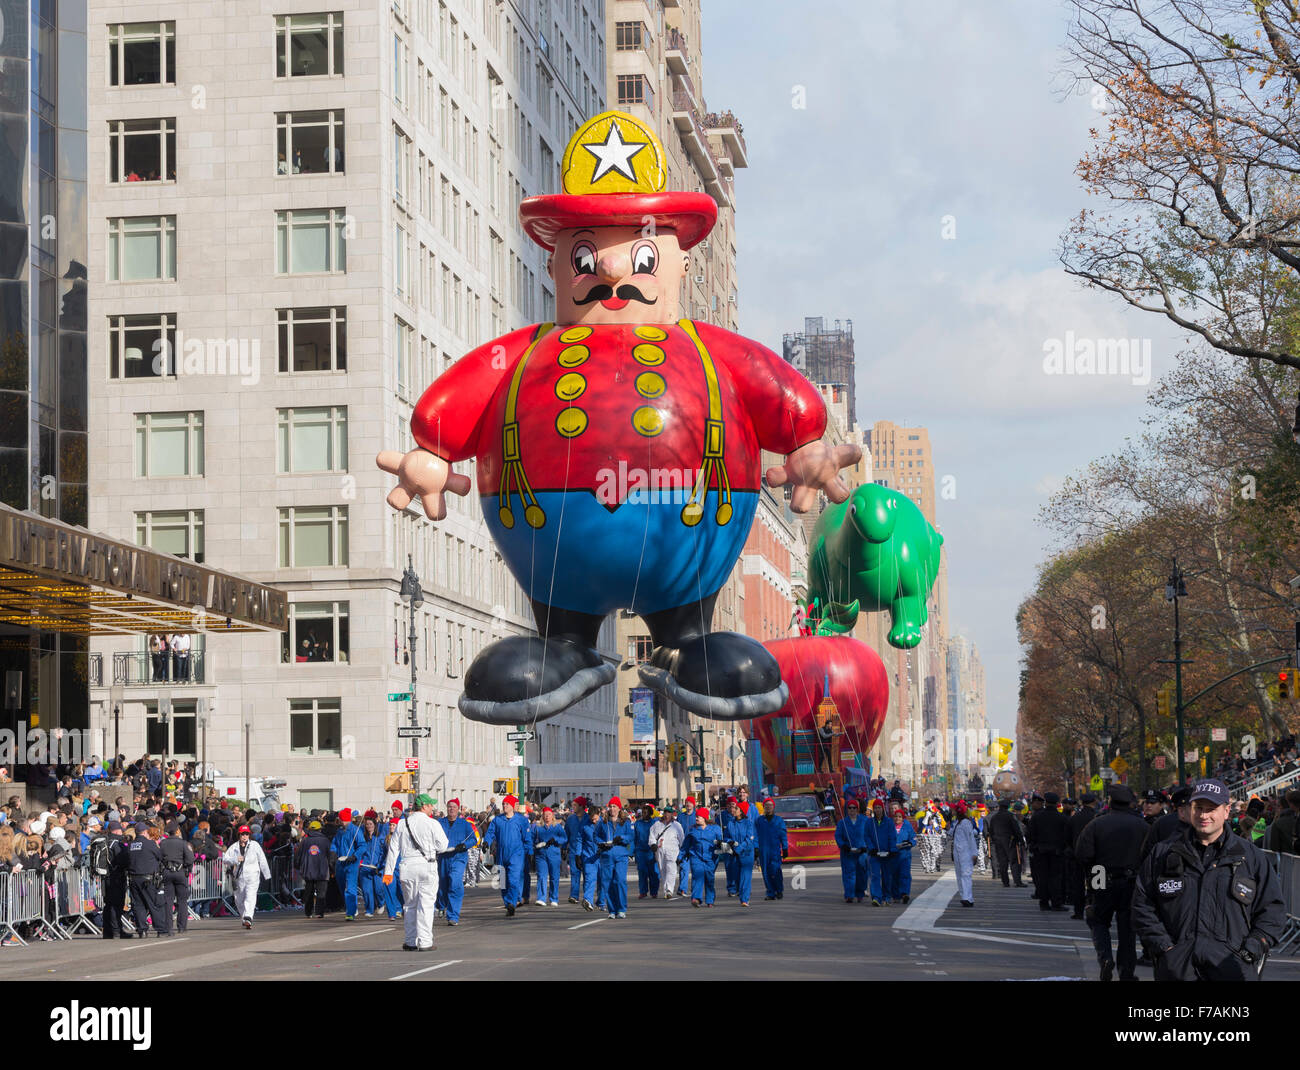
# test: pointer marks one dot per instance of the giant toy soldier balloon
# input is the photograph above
(618, 448)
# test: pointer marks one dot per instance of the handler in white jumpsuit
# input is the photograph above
(666, 836)
(417, 840)
(965, 848)
(247, 863)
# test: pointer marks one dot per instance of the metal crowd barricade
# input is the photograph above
(1288, 868)
(22, 902)
(77, 894)
(285, 885)
(206, 884)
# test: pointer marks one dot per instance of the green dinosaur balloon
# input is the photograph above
(875, 551)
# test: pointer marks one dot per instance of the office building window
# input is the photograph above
(142, 53)
(313, 536)
(168, 444)
(634, 89)
(628, 36)
(142, 150)
(141, 347)
(312, 440)
(142, 248)
(310, 241)
(318, 631)
(313, 339)
(309, 142)
(308, 46)
(177, 737)
(316, 726)
(179, 532)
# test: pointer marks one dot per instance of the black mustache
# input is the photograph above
(627, 292)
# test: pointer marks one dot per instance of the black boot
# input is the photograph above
(714, 674)
(523, 679)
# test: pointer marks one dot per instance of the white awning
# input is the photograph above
(585, 774)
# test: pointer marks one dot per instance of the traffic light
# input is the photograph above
(1288, 683)
(504, 787)
(1162, 702)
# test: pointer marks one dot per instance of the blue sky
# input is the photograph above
(915, 112)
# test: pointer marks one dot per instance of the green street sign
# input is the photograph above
(404, 696)
(695, 768)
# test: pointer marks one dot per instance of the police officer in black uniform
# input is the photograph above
(115, 884)
(1208, 904)
(1171, 824)
(1108, 851)
(1031, 852)
(177, 862)
(1046, 838)
(1007, 836)
(143, 867)
(1075, 873)
(1153, 805)
(312, 860)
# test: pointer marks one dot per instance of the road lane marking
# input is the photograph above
(586, 923)
(158, 978)
(427, 969)
(358, 936)
(1027, 932)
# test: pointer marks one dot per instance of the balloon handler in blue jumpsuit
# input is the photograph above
(743, 840)
(898, 870)
(548, 838)
(687, 820)
(510, 838)
(702, 845)
(343, 849)
(573, 825)
(452, 862)
(880, 856)
(773, 847)
(392, 890)
(592, 891)
(615, 843)
(647, 869)
(855, 838)
(370, 864)
(727, 857)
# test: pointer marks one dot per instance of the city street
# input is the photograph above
(810, 935)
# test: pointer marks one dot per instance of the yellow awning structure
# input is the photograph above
(60, 578)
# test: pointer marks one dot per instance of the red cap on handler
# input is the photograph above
(345, 815)
(397, 805)
(744, 808)
(453, 802)
(689, 799)
(245, 828)
(547, 810)
(615, 801)
(703, 812)
(581, 800)
(509, 800)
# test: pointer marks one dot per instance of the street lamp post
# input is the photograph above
(248, 734)
(413, 599)
(1175, 589)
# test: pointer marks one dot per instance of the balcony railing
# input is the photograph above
(146, 669)
(96, 670)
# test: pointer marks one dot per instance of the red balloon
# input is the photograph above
(858, 684)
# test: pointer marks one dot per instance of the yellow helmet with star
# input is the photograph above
(614, 172)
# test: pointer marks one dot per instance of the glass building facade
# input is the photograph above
(43, 280)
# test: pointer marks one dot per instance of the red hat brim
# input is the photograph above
(689, 215)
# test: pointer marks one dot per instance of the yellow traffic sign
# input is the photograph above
(1096, 783)
(1119, 765)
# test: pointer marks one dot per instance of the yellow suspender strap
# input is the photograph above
(714, 443)
(512, 464)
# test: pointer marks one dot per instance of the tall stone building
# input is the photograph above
(298, 219)
(826, 355)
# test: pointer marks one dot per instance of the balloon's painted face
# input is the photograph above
(617, 275)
